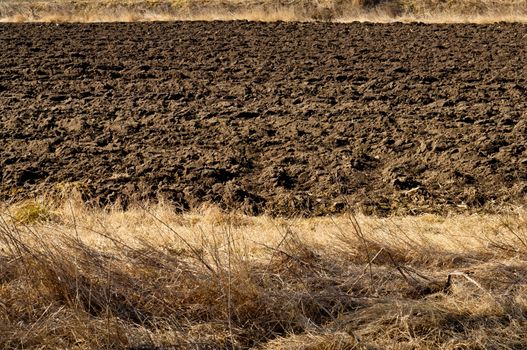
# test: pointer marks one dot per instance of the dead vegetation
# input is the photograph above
(71, 277)
(434, 11)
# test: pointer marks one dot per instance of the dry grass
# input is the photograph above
(431, 11)
(77, 278)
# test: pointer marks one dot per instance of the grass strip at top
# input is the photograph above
(452, 11)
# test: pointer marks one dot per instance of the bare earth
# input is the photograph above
(277, 118)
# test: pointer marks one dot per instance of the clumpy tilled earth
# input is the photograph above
(276, 118)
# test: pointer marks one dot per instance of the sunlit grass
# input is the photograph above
(150, 278)
(453, 11)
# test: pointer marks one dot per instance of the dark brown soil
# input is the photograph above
(284, 119)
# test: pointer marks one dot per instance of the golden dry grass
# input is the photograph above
(430, 11)
(148, 278)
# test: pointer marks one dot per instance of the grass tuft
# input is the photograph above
(31, 212)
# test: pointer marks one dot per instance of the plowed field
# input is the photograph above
(277, 118)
